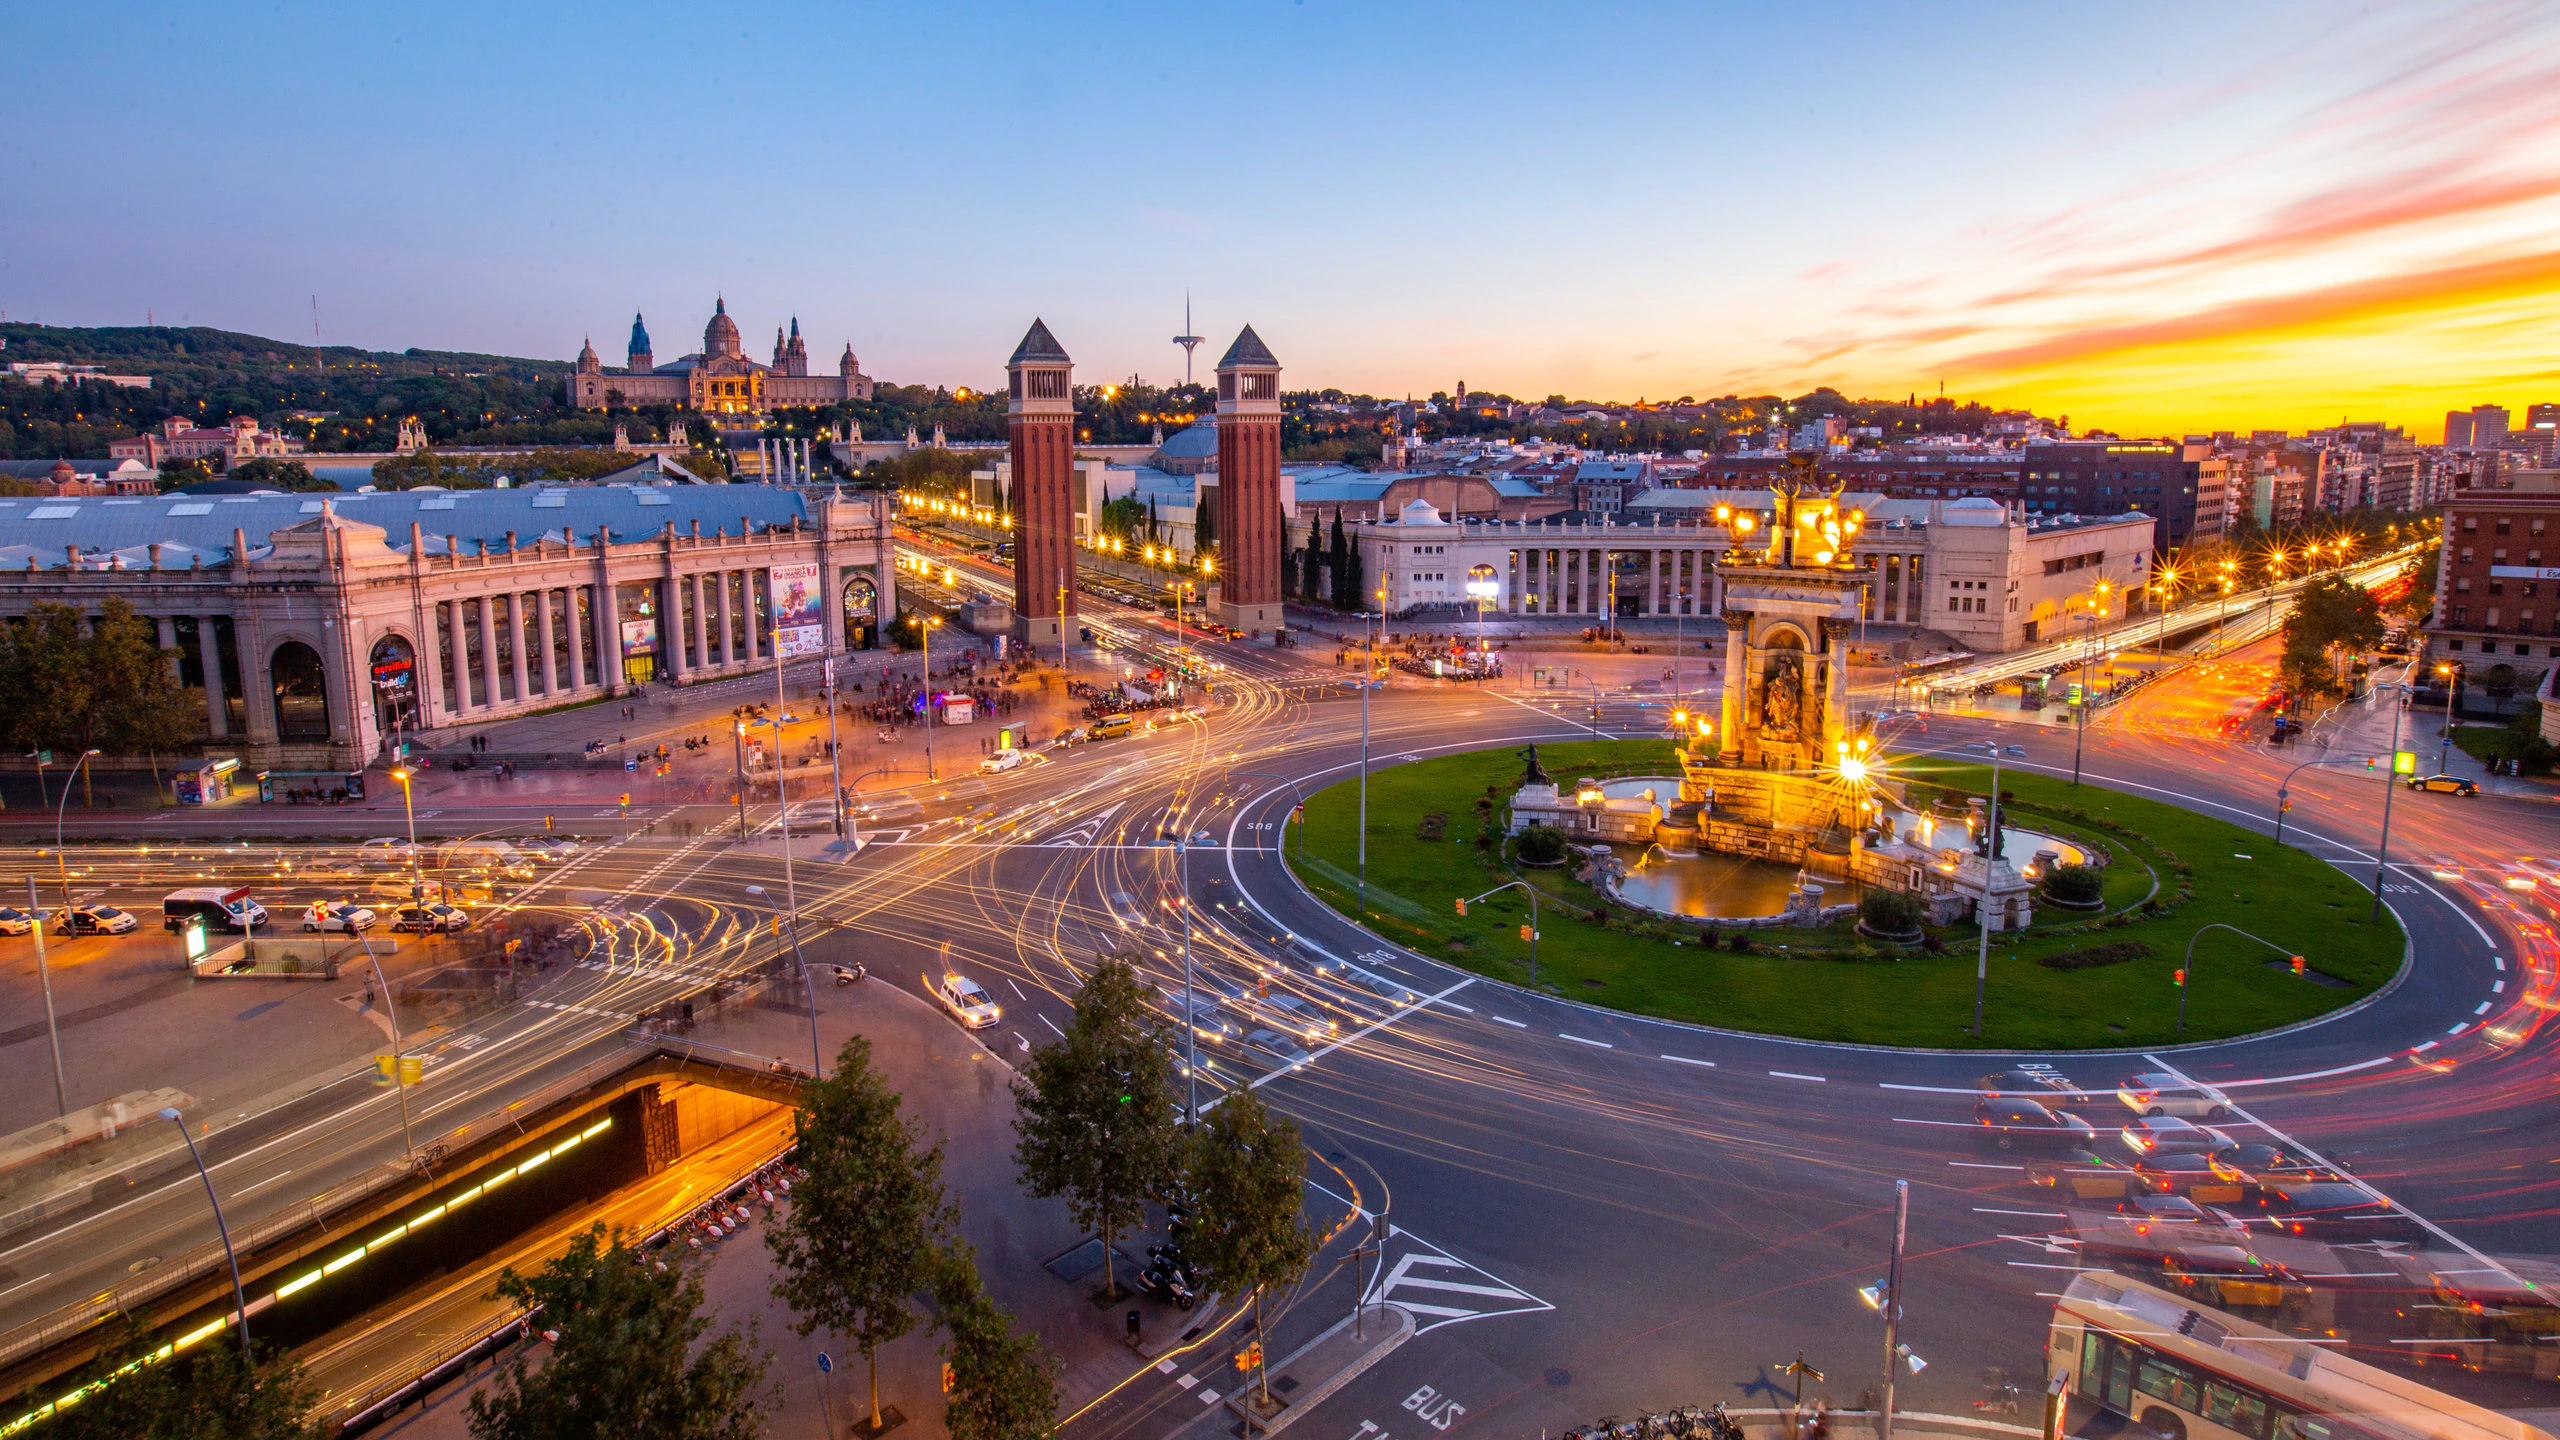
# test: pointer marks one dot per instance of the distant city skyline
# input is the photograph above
(2197, 217)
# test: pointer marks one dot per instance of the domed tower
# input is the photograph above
(781, 356)
(847, 366)
(641, 361)
(795, 356)
(1040, 417)
(589, 363)
(720, 337)
(1249, 537)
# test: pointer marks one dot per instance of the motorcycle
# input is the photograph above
(1172, 1255)
(847, 974)
(1164, 1281)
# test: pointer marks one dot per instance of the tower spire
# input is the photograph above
(1188, 341)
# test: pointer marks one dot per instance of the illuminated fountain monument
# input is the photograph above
(1782, 775)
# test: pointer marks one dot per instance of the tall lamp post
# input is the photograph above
(399, 1070)
(408, 808)
(1368, 678)
(62, 863)
(817, 1067)
(1483, 585)
(2080, 732)
(239, 1300)
(2451, 670)
(2186, 966)
(925, 626)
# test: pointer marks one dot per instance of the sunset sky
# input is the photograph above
(2156, 218)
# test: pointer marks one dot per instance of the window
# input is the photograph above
(2502, 527)
(2167, 1380)
(2466, 554)
(2461, 616)
(2498, 556)
(2470, 524)
(2462, 584)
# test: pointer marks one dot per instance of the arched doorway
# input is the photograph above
(861, 613)
(301, 692)
(395, 685)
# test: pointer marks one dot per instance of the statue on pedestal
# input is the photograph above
(1534, 775)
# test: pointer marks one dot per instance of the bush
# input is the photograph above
(1541, 845)
(1889, 912)
(2114, 952)
(2076, 884)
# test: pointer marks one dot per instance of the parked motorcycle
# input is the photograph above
(1164, 1280)
(847, 974)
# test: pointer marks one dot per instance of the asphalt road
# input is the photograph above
(1592, 1213)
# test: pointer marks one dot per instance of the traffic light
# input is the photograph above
(2179, 977)
(1527, 934)
(1462, 907)
(1250, 1357)
(949, 1377)
(546, 822)
(2297, 965)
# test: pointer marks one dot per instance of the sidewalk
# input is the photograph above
(2363, 729)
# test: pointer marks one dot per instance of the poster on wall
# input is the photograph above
(797, 607)
(639, 639)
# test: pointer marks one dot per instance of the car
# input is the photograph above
(2080, 1173)
(1273, 1045)
(1000, 762)
(2154, 1133)
(2009, 1123)
(967, 1000)
(543, 851)
(2018, 750)
(563, 846)
(1283, 1011)
(2045, 1087)
(2262, 1165)
(2179, 1171)
(1110, 727)
(2337, 1211)
(430, 919)
(14, 921)
(327, 916)
(1392, 991)
(388, 849)
(1208, 1021)
(2449, 784)
(2155, 1094)
(2179, 1210)
(94, 920)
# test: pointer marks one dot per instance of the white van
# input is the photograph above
(218, 908)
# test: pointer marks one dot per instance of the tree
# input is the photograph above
(2499, 682)
(1097, 1110)
(2330, 614)
(108, 686)
(142, 709)
(177, 474)
(290, 475)
(1004, 1386)
(208, 1393)
(1312, 565)
(1248, 1175)
(865, 1228)
(627, 1361)
(1204, 523)
(1339, 566)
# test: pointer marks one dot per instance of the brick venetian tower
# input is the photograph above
(1040, 419)
(1249, 534)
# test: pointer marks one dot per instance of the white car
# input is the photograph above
(967, 1000)
(2154, 1094)
(1000, 762)
(350, 918)
(14, 921)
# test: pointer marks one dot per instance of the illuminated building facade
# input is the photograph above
(719, 379)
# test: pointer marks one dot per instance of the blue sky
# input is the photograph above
(1600, 200)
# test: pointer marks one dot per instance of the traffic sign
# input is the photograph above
(2404, 762)
(826, 1363)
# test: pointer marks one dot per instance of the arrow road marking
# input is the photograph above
(1489, 1294)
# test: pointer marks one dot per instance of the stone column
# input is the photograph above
(577, 638)
(516, 660)
(209, 655)
(728, 625)
(1737, 679)
(701, 632)
(550, 659)
(462, 657)
(489, 650)
(1836, 689)
(169, 642)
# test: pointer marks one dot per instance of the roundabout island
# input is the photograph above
(1776, 870)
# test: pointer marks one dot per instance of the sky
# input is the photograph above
(2155, 218)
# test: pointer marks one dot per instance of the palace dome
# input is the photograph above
(720, 337)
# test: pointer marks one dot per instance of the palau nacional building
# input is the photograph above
(323, 627)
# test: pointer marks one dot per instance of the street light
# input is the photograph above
(925, 626)
(409, 808)
(2080, 731)
(817, 1069)
(1483, 585)
(1368, 678)
(239, 1300)
(399, 1071)
(2451, 670)
(2186, 971)
(1532, 892)
(63, 864)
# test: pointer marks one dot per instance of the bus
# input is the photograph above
(2188, 1373)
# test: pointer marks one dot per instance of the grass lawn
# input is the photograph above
(2174, 872)
(2498, 742)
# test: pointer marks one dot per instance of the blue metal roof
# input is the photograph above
(1517, 489)
(202, 524)
(1196, 441)
(1628, 471)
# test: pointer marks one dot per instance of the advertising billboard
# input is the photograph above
(799, 619)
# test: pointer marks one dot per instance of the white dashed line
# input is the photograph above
(2499, 988)
(2458, 1029)
(1461, 1009)
(2423, 1049)
(1208, 1396)
(2483, 1010)
(1685, 1060)
(1578, 1040)
(1791, 1075)
(1166, 1367)
(1185, 1381)
(2038, 1214)
(1514, 1024)
(1983, 1165)
(1053, 1025)
(2498, 961)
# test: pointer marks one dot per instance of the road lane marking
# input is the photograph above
(1578, 1040)
(1983, 1165)
(23, 1284)
(1791, 1075)
(1514, 1024)
(2458, 1029)
(2483, 1010)
(1185, 1381)
(1053, 1025)
(1685, 1060)
(245, 1189)
(2034, 1214)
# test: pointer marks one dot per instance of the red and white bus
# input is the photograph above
(2188, 1373)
